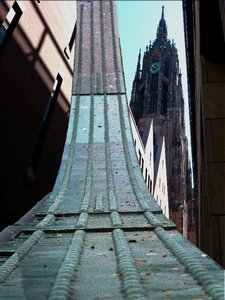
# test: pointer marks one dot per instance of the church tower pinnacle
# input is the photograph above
(138, 65)
(162, 28)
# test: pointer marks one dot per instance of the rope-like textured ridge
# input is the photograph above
(11, 264)
(153, 220)
(69, 165)
(46, 221)
(136, 189)
(83, 220)
(208, 283)
(115, 219)
(62, 288)
(89, 171)
(99, 206)
(130, 281)
(110, 180)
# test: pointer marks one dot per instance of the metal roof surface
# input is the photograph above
(100, 234)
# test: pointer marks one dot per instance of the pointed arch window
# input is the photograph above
(167, 68)
(164, 97)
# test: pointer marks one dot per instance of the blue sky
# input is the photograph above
(138, 21)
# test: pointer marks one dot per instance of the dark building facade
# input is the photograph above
(35, 87)
(157, 94)
(206, 73)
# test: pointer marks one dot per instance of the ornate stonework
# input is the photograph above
(157, 94)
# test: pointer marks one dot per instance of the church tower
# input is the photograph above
(157, 94)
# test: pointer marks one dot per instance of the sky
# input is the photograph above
(138, 21)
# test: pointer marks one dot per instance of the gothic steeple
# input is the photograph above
(138, 70)
(157, 95)
(136, 105)
(162, 28)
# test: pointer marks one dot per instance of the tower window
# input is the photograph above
(139, 159)
(167, 68)
(164, 98)
(146, 174)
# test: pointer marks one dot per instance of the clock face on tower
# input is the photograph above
(155, 67)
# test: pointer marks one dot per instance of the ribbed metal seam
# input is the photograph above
(115, 219)
(99, 204)
(46, 221)
(130, 280)
(208, 283)
(110, 180)
(136, 189)
(62, 288)
(11, 264)
(67, 172)
(152, 219)
(83, 220)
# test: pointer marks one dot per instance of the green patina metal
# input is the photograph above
(100, 234)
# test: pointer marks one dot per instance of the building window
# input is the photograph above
(68, 48)
(44, 129)
(162, 164)
(150, 186)
(10, 23)
(142, 165)
(150, 159)
(146, 175)
(139, 158)
(159, 182)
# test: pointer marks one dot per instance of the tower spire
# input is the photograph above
(162, 28)
(162, 16)
(138, 64)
